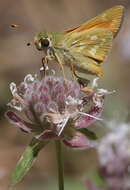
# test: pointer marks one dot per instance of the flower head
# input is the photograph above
(114, 157)
(54, 111)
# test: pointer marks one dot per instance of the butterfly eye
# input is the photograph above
(44, 42)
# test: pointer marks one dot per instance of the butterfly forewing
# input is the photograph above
(94, 43)
(85, 50)
(110, 19)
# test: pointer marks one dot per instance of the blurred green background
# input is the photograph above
(17, 60)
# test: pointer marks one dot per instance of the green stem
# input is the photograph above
(60, 165)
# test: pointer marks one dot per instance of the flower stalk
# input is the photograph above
(59, 165)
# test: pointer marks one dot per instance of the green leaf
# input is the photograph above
(27, 159)
(89, 134)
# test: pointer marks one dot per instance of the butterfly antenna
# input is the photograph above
(21, 27)
(15, 26)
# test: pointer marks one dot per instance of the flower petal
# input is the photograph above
(84, 121)
(47, 134)
(79, 141)
(16, 120)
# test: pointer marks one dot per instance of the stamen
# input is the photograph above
(63, 126)
(82, 113)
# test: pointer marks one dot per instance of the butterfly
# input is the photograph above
(85, 47)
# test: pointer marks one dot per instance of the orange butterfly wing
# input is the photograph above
(110, 19)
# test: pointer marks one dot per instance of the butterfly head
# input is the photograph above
(42, 41)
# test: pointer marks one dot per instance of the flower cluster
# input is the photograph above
(114, 159)
(53, 111)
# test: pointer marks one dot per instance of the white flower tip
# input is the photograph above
(28, 78)
(13, 88)
(102, 91)
(95, 84)
(18, 108)
(72, 101)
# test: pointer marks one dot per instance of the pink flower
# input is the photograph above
(55, 112)
(114, 157)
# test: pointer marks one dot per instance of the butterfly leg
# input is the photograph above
(72, 71)
(62, 70)
(82, 81)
